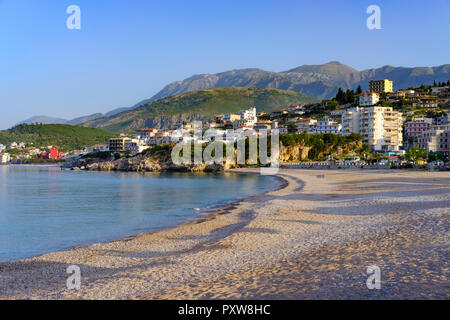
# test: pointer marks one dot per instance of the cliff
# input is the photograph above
(293, 147)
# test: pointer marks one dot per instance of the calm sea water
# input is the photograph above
(44, 209)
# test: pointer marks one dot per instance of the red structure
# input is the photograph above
(52, 153)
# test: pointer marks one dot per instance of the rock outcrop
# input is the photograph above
(142, 163)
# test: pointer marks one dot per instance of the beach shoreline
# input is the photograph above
(58, 164)
(312, 210)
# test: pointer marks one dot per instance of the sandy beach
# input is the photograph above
(312, 239)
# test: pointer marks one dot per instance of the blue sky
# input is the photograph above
(127, 51)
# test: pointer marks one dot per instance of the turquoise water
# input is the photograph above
(44, 209)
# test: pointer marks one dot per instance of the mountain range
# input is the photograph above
(53, 120)
(318, 81)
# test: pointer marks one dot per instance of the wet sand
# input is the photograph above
(312, 239)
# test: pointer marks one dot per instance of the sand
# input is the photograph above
(312, 239)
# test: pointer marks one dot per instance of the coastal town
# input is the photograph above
(225, 159)
(390, 123)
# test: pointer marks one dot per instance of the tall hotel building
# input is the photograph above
(381, 127)
(381, 86)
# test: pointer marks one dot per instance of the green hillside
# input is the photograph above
(203, 104)
(65, 137)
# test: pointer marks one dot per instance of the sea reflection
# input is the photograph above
(44, 209)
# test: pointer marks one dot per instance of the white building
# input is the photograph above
(444, 119)
(263, 125)
(416, 126)
(369, 98)
(325, 126)
(135, 146)
(249, 114)
(160, 138)
(146, 133)
(247, 118)
(381, 127)
(436, 139)
(439, 90)
(304, 124)
(5, 158)
(97, 148)
(2, 147)
(210, 125)
(230, 117)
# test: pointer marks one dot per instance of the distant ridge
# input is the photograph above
(43, 119)
(319, 81)
(52, 120)
(80, 120)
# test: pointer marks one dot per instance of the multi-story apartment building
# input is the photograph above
(242, 123)
(210, 125)
(325, 126)
(278, 113)
(439, 90)
(443, 120)
(160, 138)
(381, 86)
(146, 133)
(230, 117)
(247, 118)
(304, 124)
(249, 114)
(336, 115)
(263, 125)
(381, 127)
(416, 126)
(117, 144)
(132, 145)
(5, 158)
(436, 139)
(395, 96)
(351, 121)
(426, 102)
(369, 98)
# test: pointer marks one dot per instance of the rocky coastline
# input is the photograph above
(142, 163)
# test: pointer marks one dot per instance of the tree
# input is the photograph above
(359, 90)
(332, 104)
(340, 96)
(349, 96)
(415, 153)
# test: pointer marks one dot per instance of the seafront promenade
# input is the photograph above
(329, 166)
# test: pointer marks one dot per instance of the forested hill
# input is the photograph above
(65, 137)
(199, 105)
